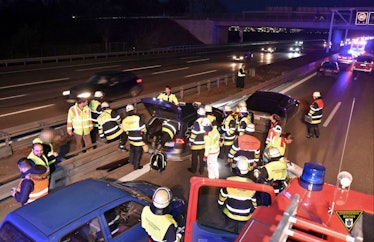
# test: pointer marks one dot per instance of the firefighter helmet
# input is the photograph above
(316, 94)
(208, 108)
(243, 109)
(105, 105)
(250, 128)
(99, 94)
(272, 154)
(129, 108)
(162, 197)
(227, 108)
(243, 165)
(201, 111)
(242, 104)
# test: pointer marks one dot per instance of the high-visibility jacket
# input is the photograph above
(42, 160)
(239, 204)
(211, 140)
(134, 128)
(41, 184)
(274, 173)
(95, 112)
(241, 72)
(243, 123)
(79, 120)
(246, 145)
(109, 124)
(47, 150)
(274, 130)
(213, 119)
(315, 111)
(229, 128)
(171, 128)
(278, 142)
(197, 135)
(169, 98)
(157, 225)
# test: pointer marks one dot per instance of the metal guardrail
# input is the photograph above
(75, 165)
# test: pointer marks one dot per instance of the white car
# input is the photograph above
(268, 49)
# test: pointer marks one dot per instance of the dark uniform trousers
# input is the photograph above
(197, 157)
(136, 153)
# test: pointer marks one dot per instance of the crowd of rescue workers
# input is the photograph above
(233, 141)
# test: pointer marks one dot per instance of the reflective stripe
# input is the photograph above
(235, 210)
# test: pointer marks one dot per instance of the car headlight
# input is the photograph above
(84, 95)
(66, 93)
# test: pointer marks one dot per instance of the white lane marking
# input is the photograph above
(346, 135)
(17, 96)
(329, 118)
(135, 174)
(201, 73)
(171, 70)
(192, 61)
(26, 110)
(97, 68)
(142, 68)
(189, 57)
(298, 83)
(35, 83)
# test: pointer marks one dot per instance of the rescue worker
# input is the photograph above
(34, 182)
(245, 145)
(244, 119)
(315, 112)
(238, 204)
(95, 107)
(273, 173)
(196, 141)
(228, 132)
(37, 155)
(79, 124)
(240, 76)
(109, 122)
(168, 131)
(280, 142)
(168, 96)
(135, 129)
(275, 128)
(210, 115)
(45, 139)
(211, 148)
(157, 219)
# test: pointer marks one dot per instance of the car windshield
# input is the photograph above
(364, 59)
(329, 65)
(97, 80)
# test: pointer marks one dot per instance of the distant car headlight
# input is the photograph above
(84, 95)
(66, 93)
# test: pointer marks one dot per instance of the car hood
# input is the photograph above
(156, 107)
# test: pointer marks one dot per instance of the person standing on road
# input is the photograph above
(196, 141)
(95, 107)
(168, 96)
(241, 77)
(275, 128)
(34, 182)
(244, 119)
(79, 124)
(135, 129)
(315, 113)
(228, 132)
(109, 122)
(279, 142)
(211, 148)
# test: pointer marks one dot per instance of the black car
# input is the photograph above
(329, 68)
(111, 83)
(184, 115)
(265, 103)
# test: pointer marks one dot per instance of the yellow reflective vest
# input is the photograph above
(211, 141)
(169, 98)
(134, 128)
(156, 225)
(79, 120)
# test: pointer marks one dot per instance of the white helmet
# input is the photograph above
(316, 94)
(162, 197)
(227, 108)
(206, 122)
(208, 108)
(272, 154)
(250, 128)
(98, 94)
(243, 165)
(105, 105)
(242, 104)
(243, 110)
(201, 111)
(129, 108)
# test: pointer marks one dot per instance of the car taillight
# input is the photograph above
(336, 71)
(321, 69)
(180, 141)
(139, 80)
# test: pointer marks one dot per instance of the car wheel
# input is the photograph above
(135, 91)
